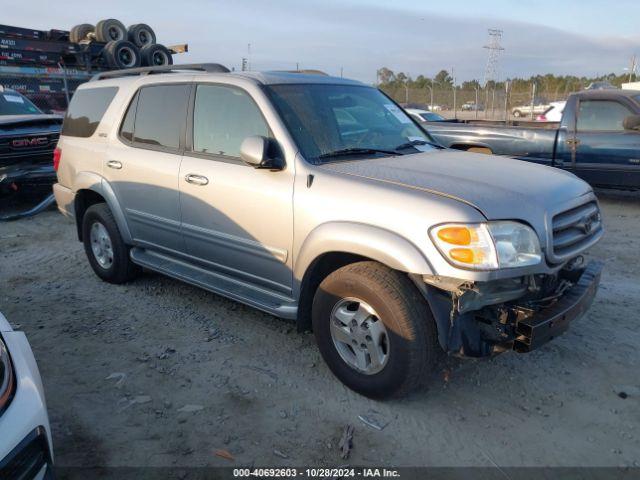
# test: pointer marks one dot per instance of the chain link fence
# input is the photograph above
(482, 103)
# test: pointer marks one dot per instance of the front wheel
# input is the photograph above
(107, 253)
(374, 330)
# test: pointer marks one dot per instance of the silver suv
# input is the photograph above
(318, 199)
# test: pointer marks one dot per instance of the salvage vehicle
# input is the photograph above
(25, 434)
(424, 115)
(598, 138)
(553, 113)
(527, 110)
(319, 199)
(27, 140)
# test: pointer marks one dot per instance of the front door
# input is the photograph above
(236, 220)
(143, 167)
(606, 153)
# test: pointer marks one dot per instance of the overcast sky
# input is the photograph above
(418, 37)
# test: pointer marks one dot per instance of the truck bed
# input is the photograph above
(530, 143)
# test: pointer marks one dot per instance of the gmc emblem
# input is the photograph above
(30, 142)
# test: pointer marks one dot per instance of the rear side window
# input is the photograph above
(86, 110)
(160, 115)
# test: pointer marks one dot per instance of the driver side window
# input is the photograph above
(601, 115)
(223, 117)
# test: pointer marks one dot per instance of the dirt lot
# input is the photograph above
(158, 373)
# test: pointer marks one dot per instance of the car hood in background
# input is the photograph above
(9, 120)
(499, 187)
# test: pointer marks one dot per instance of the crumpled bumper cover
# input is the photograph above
(546, 324)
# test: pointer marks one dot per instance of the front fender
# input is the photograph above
(372, 242)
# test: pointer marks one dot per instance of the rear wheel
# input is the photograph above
(107, 253)
(517, 113)
(374, 330)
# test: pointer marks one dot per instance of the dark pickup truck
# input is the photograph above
(598, 138)
(27, 140)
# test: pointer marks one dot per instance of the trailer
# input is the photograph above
(47, 66)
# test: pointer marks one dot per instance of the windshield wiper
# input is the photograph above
(415, 143)
(356, 151)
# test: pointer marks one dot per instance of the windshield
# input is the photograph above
(329, 121)
(12, 103)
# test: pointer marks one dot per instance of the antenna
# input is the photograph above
(494, 47)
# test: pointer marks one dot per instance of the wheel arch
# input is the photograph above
(91, 189)
(334, 245)
(468, 146)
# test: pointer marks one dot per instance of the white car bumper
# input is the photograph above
(25, 434)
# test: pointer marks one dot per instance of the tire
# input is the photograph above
(156, 55)
(110, 30)
(410, 348)
(80, 32)
(517, 113)
(141, 35)
(120, 269)
(122, 54)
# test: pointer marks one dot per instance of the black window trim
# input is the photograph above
(156, 148)
(619, 101)
(189, 151)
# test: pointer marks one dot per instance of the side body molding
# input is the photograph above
(373, 242)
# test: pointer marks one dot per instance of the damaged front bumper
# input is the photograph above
(14, 177)
(482, 319)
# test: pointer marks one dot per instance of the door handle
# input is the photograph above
(114, 164)
(196, 179)
(572, 142)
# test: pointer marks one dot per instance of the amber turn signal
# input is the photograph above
(455, 235)
(464, 255)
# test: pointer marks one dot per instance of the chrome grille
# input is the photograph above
(574, 230)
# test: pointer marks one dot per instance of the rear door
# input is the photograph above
(606, 153)
(143, 166)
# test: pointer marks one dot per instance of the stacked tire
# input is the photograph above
(124, 47)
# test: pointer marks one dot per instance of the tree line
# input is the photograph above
(553, 84)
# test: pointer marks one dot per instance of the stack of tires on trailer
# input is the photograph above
(123, 47)
(47, 65)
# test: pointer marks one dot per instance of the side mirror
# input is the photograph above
(632, 122)
(261, 152)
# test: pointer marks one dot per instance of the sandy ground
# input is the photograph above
(159, 373)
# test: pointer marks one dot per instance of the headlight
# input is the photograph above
(6, 377)
(488, 246)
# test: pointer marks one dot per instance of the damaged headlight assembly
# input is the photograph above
(487, 246)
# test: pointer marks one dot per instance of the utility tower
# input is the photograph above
(494, 47)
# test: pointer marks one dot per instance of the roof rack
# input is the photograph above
(199, 67)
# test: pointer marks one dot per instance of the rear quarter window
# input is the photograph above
(86, 110)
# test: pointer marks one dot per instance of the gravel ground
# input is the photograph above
(159, 373)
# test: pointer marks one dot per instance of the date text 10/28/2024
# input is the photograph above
(316, 472)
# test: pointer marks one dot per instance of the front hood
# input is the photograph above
(22, 120)
(500, 188)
